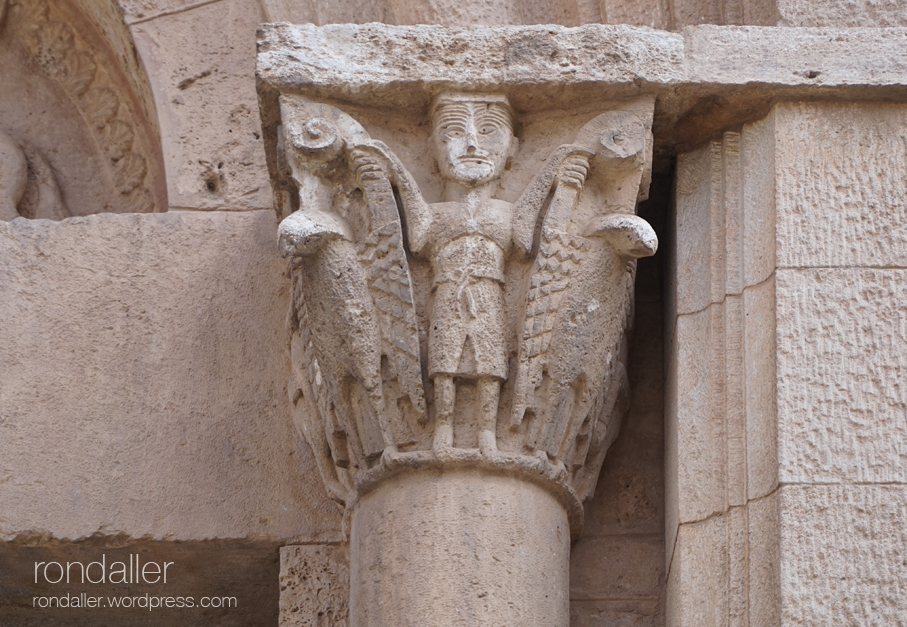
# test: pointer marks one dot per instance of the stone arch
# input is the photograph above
(79, 108)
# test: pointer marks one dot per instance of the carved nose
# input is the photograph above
(472, 140)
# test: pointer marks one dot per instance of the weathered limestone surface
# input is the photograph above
(76, 109)
(842, 556)
(395, 66)
(841, 356)
(842, 13)
(721, 422)
(143, 390)
(697, 585)
(426, 544)
(314, 586)
(840, 171)
(200, 66)
(820, 196)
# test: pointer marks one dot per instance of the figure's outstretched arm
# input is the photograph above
(373, 159)
(568, 164)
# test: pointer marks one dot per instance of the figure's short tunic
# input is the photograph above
(467, 336)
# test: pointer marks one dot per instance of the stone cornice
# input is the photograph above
(704, 78)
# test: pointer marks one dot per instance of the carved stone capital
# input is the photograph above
(462, 287)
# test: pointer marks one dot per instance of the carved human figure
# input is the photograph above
(13, 177)
(28, 187)
(467, 237)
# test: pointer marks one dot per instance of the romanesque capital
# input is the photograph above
(462, 329)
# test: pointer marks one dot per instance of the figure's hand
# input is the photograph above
(368, 163)
(574, 170)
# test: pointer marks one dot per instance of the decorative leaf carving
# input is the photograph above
(129, 172)
(101, 106)
(117, 139)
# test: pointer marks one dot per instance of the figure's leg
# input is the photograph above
(445, 397)
(489, 392)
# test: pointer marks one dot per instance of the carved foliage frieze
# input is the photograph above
(58, 51)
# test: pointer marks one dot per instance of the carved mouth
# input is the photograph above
(474, 160)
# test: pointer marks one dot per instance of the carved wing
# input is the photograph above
(352, 289)
(577, 298)
(390, 282)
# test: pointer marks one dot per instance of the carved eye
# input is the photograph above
(488, 129)
(452, 132)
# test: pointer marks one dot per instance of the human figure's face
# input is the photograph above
(472, 140)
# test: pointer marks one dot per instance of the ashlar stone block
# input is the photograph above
(842, 555)
(314, 585)
(207, 106)
(841, 360)
(840, 175)
(143, 388)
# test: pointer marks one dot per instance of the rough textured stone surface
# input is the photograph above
(697, 585)
(144, 382)
(842, 13)
(760, 389)
(479, 549)
(840, 173)
(842, 555)
(77, 104)
(721, 419)
(615, 614)
(841, 364)
(394, 66)
(314, 586)
(206, 104)
(763, 559)
(626, 567)
(700, 459)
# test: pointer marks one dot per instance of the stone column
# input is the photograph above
(460, 300)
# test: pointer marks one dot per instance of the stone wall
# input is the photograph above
(142, 401)
(785, 444)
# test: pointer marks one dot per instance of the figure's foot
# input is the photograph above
(443, 437)
(488, 442)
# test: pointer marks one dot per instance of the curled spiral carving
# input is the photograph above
(315, 135)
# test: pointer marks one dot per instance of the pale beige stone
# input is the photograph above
(842, 13)
(764, 561)
(570, 315)
(842, 555)
(735, 405)
(738, 531)
(626, 567)
(841, 361)
(840, 173)
(698, 577)
(758, 162)
(205, 94)
(698, 272)
(617, 613)
(314, 586)
(407, 306)
(78, 110)
(459, 547)
(700, 459)
(759, 324)
(144, 10)
(650, 13)
(143, 389)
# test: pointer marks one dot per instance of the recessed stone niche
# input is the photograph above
(78, 133)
